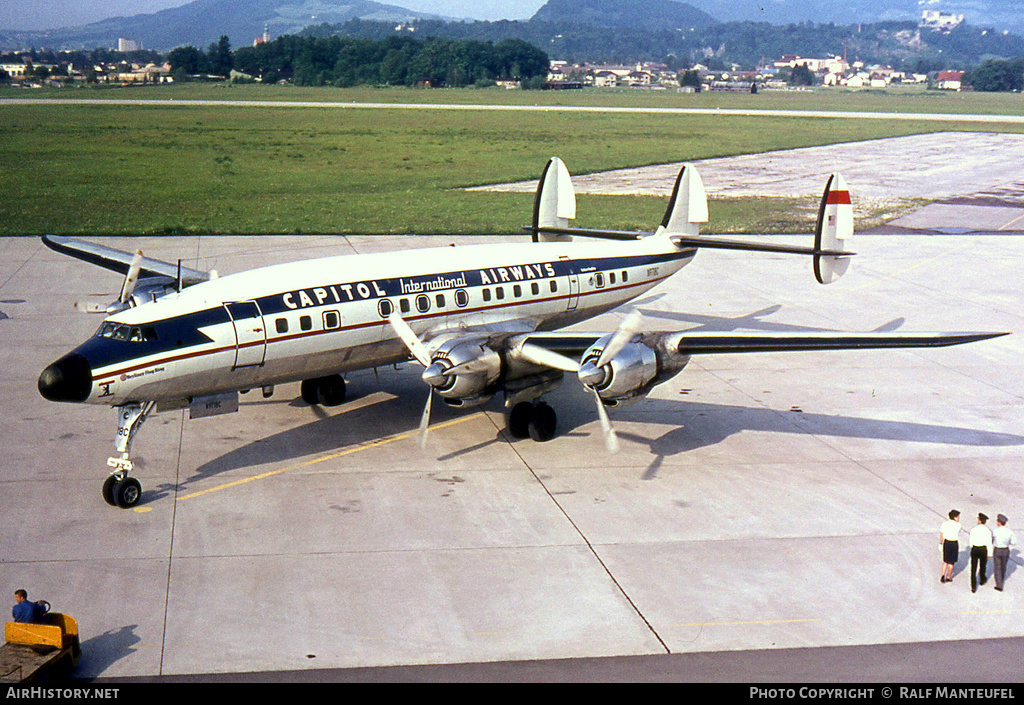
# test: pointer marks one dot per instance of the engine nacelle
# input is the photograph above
(463, 372)
(638, 367)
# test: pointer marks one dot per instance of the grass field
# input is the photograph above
(120, 169)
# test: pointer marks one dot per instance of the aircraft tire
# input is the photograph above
(127, 492)
(543, 422)
(308, 391)
(108, 490)
(519, 419)
(330, 391)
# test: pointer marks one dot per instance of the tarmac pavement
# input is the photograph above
(762, 503)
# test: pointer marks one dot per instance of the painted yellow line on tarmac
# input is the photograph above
(348, 451)
(893, 275)
(1012, 222)
(738, 624)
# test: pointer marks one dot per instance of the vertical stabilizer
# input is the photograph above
(555, 203)
(688, 207)
(834, 230)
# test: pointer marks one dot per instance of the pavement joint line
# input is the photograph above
(992, 611)
(739, 624)
(330, 456)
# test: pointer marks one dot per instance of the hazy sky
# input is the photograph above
(47, 14)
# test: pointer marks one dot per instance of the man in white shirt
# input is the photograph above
(1002, 539)
(949, 535)
(981, 549)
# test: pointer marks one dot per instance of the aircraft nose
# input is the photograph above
(68, 379)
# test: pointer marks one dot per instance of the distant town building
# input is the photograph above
(943, 21)
(127, 44)
(949, 80)
(264, 39)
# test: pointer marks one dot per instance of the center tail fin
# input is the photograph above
(555, 203)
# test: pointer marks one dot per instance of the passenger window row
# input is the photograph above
(331, 321)
(424, 302)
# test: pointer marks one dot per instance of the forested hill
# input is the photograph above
(899, 44)
(632, 14)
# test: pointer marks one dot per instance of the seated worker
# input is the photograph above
(25, 611)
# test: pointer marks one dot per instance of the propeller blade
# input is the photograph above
(547, 358)
(131, 278)
(412, 342)
(627, 329)
(425, 421)
(611, 440)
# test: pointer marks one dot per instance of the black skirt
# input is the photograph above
(950, 551)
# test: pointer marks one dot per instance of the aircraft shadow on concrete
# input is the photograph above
(702, 425)
(360, 420)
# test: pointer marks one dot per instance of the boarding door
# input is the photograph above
(250, 333)
(574, 284)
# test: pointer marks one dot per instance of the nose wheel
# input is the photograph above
(122, 491)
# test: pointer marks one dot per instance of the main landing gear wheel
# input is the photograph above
(538, 421)
(123, 492)
(323, 391)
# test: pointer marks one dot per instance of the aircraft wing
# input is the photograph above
(120, 262)
(703, 343)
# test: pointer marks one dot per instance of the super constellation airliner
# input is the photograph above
(481, 320)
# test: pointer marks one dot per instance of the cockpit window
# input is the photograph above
(133, 334)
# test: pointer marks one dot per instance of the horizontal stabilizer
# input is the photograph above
(121, 262)
(686, 343)
(555, 203)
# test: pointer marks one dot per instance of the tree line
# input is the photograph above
(350, 61)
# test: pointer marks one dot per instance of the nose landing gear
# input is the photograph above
(120, 490)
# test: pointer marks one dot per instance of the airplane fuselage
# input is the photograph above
(301, 320)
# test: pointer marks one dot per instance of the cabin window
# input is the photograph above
(517, 291)
(599, 280)
(554, 286)
(305, 323)
(385, 308)
(499, 291)
(535, 288)
(440, 300)
(403, 305)
(625, 276)
(281, 324)
(611, 277)
(332, 320)
(461, 298)
(487, 294)
(422, 303)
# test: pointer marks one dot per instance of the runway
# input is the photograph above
(759, 503)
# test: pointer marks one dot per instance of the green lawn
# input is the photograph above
(102, 169)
